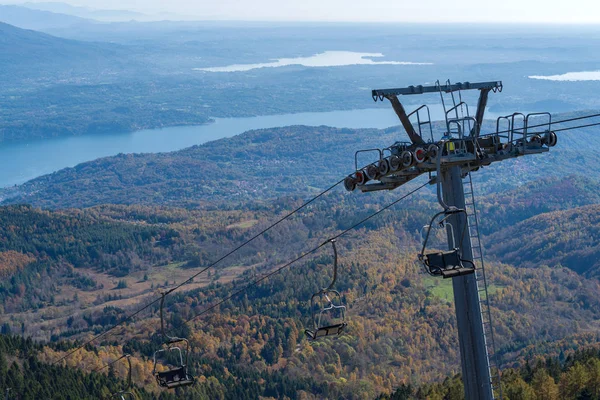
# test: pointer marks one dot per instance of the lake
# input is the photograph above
(325, 59)
(570, 76)
(26, 160)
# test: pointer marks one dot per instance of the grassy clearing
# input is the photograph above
(165, 272)
(493, 289)
(442, 288)
(141, 286)
(439, 287)
(244, 224)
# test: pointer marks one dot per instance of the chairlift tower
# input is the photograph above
(449, 160)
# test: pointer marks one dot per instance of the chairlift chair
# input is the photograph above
(337, 310)
(321, 330)
(177, 373)
(447, 264)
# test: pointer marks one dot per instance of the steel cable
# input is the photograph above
(131, 316)
(257, 281)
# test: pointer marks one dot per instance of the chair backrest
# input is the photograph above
(449, 259)
(448, 264)
(174, 378)
(169, 349)
(331, 330)
(329, 308)
(443, 260)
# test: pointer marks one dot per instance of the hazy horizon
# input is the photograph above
(425, 11)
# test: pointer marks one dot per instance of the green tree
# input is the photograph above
(573, 382)
(518, 389)
(544, 386)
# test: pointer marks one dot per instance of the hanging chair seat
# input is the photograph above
(331, 319)
(174, 378)
(171, 357)
(331, 330)
(448, 264)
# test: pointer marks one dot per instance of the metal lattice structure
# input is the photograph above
(461, 144)
(449, 161)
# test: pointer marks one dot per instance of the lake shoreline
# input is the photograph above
(27, 160)
(31, 158)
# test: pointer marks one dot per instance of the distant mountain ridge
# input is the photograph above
(16, 41)
(29, 54)
(28, 18)
(70, 87)
(86, 12)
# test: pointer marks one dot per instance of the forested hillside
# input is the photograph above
(71, 273)
(256, 165)
(39, 247)
(564, 238)
(26, 377)
(299, 160)
(576, 376)
(401, 330)
(572, 375)
(543, 195)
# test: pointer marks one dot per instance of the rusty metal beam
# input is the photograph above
(401, 113)
(481, 104)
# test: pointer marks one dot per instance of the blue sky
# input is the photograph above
(540, 11)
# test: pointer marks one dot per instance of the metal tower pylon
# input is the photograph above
(461, 150)
(469, 319)
(482, 286)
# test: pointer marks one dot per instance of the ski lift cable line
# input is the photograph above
(128, 318)
(190, 279)
(280, 220)
(110, 363)
(566, 129)
(303, 255)
(576, 127)
(565, 120)
(552, 123)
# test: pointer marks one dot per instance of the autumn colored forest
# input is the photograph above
(74, 263)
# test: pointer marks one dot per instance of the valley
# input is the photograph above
(209, 157)
(106, 78)
(393, 304)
